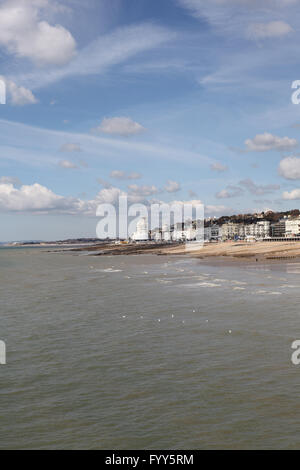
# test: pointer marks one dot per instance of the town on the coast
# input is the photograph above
(269, 226)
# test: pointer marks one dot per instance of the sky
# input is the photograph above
(176, 100)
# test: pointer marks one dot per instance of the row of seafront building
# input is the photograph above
(181, 232)
(285, 228)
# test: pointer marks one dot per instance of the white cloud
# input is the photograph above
(121, 175)
(218, 167)
(32, 198)
(291, 196)
(19, 95)
(24, 33)
(36, 198)
(265, 142)
(122, 126)
(104, 52)
(67, 164)
(109, 196)
(71, 147)
(289, 168)
(39, 199)
(172, 186)
(273, 29)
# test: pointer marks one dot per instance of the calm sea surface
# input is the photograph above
(145, 352)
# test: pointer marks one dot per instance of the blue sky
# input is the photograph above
(174, 100)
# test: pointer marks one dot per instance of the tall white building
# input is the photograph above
(263, 229)
(141, 233)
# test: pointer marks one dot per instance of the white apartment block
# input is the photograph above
(230, 231)
(292, 227)
(258, 231)
(141, 233)
(263, 229)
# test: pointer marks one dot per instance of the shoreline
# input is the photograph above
(226, 253)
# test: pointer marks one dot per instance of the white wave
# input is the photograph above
(208, 284)
(110, 270)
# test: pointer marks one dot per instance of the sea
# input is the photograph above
(147, 352)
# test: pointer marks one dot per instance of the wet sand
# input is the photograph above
(241, 252)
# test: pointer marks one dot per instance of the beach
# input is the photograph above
(229, 251)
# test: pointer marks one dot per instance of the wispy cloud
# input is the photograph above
(123, 126)
(70, 147)
(273, 29)
(258, 189)
(122, 175)
(104, 52)
(17, 141)
(218, 167)
(230, 192)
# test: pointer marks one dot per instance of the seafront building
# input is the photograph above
(213, 233)
(285, 228)
(184, 232)
(292, 227)
(231, 231)
(142, 233)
